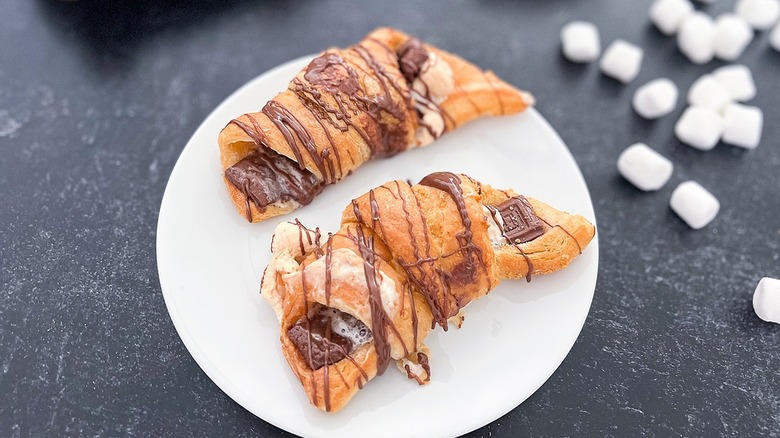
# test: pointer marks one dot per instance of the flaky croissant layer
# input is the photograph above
(405, 259)
(386, 94)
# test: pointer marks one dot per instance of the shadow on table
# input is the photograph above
(113, 31)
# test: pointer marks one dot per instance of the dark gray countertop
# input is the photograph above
(97, 102)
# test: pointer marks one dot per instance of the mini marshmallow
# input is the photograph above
(694, 204)
(761, 14)
(643, 167)
(667, 15)
(774, 39)
(742, 125)
(622, 61)
(699, 127)
(580, 41)
(766, 300)
(655, 99)
(738, 81)
(709, 92)
(732, 36)
(696, 38)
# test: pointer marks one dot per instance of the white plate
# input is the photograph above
(210, 261)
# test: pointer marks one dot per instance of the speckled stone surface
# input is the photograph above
(97, 102)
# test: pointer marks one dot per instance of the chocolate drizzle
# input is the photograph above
(333, 74)
(379, 318)
(422, 360)
(419, 270)
(464, 272)
(310, 241)
(392, 131)
(266, 177)
(579, 247)
(328, 268)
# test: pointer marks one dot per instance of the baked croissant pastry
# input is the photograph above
(384, 95)
(406, 258)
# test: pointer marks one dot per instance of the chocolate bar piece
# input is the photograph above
(520, 222)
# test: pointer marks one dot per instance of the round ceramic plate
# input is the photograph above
(210, 261)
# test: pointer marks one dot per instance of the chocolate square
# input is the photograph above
(520, 222)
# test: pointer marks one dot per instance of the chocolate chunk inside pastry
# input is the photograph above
(406, 259)
(386, 94)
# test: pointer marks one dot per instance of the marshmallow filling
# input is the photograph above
(327, 335)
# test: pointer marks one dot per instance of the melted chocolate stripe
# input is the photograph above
(379, 318)
(415, 321)
(375, 218)
(375, 214)
(445, 282)
(331, 176)
(429, 286)
(288, 125)
(393, 135)
(356, 210)
(422, 359)
(421, 279)
(254, 134)
(579, 248)
(318, 75)
(450, 184)
(328, 267)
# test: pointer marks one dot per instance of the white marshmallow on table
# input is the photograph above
(732, 36)
(699, 127)
(643, 167)
(580, 41)
(622, 61)
(774, 39)
(761, 14)
(694, 204)
(738, 81)
(766, 300)
(667, 15)
(696, 38)
(655, 99)
(742, 125)
(709, 92)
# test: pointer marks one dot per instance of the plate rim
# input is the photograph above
(212, 371)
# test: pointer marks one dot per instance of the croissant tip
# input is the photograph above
(528, 98)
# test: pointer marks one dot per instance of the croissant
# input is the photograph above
(406, 258)
(386, 94)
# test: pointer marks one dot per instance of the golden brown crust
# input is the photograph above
(347, 376)
(416, 243)
(346, 144)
